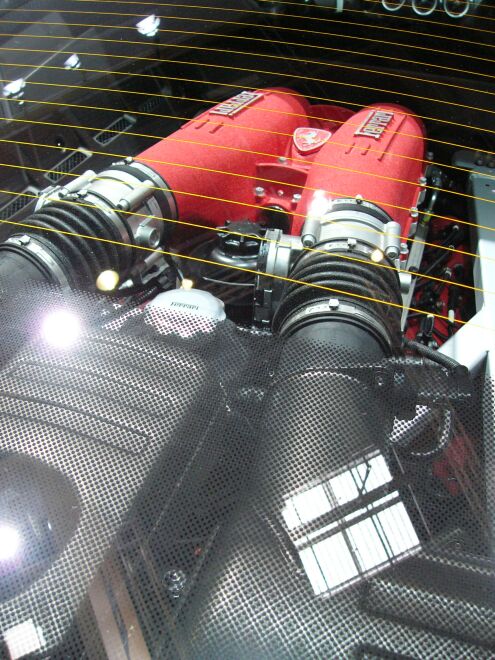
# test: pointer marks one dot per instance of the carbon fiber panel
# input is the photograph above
(179, 489)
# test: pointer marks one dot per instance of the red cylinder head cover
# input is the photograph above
(378, 155)
(210, 162)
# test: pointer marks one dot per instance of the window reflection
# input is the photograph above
(350, 526)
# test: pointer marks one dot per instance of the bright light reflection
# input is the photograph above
(61, 329)
(10, 542)
(107, 280)
(376, 256)
(370, 537)
(319, 204)
(148, 26)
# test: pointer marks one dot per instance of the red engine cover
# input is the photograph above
(275, 140)
(215, 155)
(378, 153)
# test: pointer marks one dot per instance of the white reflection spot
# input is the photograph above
(376, 256)
(61, 329)
(10, 542)
(107, 280)
(23, 639)
(368, 536)
(148, 26)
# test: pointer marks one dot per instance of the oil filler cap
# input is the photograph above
(200, 310)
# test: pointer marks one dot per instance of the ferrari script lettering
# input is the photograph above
(375, 124)
(236, 104)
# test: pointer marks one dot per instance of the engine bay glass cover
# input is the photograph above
(247, 339)
(132, 457)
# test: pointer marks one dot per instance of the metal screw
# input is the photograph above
(296, 198)
(128, 160)
(308, 241)
(429, 155)
(422, 180)
(148, 236)
(333, 303)
(280, 193)
(175, 581)
(259, 191)
(392, 252)
(24, 240)
(282, 159)
(403, 248)
(359, 199)
(414, 212)
(351, 243)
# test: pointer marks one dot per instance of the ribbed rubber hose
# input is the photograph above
(441, 359)
(62, 227)
(371, 287)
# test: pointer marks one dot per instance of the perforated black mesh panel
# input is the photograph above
(66, 165)
(170, 488)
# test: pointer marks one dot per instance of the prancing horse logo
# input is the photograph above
(308, 139)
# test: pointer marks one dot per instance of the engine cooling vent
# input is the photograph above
(17, 203)
(114, 129)
(67, 164)
(150, 104)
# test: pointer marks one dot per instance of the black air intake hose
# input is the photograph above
(363, 311)
(88, 226)
(16, 268)
(53, 248)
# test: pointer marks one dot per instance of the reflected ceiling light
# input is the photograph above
(10, 542)
(23, 639)
(456, 8)
(72, 62)
(14, 89)
(61, 329)
(364, 526)
(148, 26)
(187, 284)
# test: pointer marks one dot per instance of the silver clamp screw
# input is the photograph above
(392, 252)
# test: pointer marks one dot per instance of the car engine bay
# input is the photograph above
(246, 395)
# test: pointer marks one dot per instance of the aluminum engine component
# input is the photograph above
(123, 205)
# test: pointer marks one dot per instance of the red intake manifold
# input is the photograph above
(272, 148)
